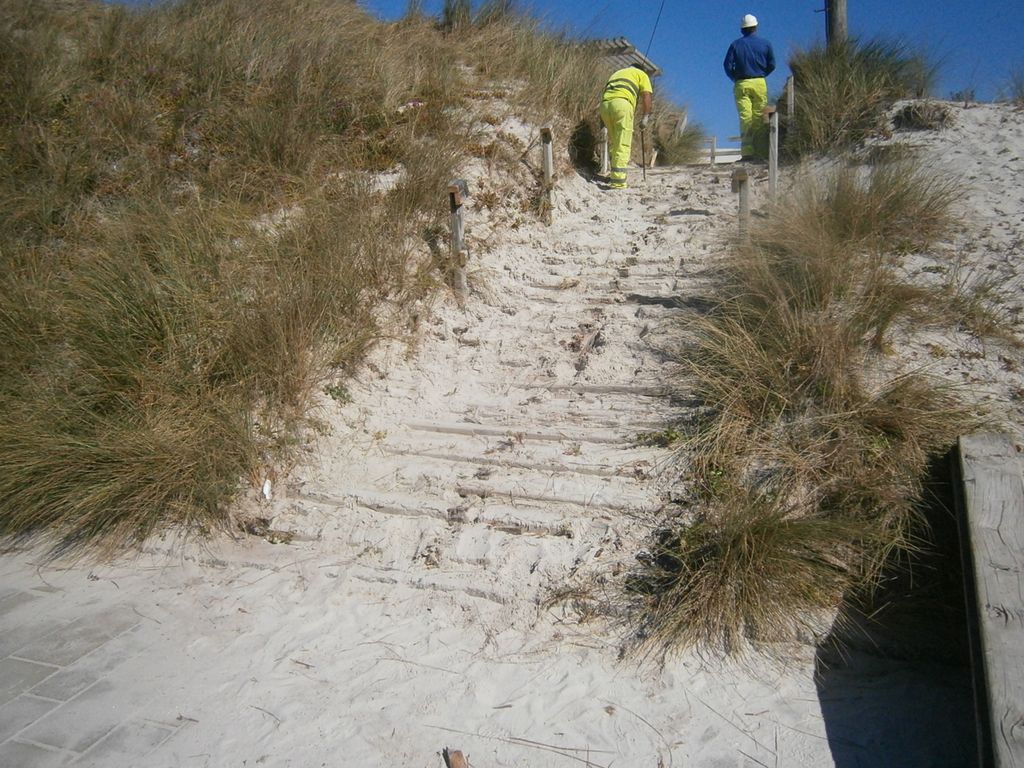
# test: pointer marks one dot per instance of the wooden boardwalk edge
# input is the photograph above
(990, 512)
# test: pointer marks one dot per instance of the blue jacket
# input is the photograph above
(749, 56)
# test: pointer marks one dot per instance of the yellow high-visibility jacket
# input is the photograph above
(627, 84)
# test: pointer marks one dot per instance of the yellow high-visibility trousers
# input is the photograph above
(751, 99)
(617, 116)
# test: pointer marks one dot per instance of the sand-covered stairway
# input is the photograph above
(507, 450)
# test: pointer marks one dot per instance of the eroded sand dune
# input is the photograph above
(465, 478)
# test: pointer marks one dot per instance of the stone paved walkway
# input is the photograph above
(60, 702)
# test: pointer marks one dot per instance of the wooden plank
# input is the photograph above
(634, 390)
(992, 536)
(517, 433)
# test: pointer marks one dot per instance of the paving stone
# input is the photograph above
(25, 634)
(81, 722)
(14, 754)
(14, 600)
(80, 637)
(68, 682)
(17, 676)
(172, 752)
(134, 739)
(22, 712)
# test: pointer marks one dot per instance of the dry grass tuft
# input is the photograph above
(983, 303)
(1014, 89)
(751, 570)
(564, 79)
(844, 91)
(807, 463)
(677, 140)
(891, 206)
(923, 116)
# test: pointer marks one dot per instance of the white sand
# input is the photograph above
(984, 149)
(466, 477)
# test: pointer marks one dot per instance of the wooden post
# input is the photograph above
(714, 146)
(773, 151)
(790, 97)
(547, 146)
(458, 190)
(453, 758)
(741, 186)
(606, 163)
(681, 124)
(835, 22)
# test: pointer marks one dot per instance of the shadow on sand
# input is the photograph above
(894, 680)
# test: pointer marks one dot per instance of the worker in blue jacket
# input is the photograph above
(749, 61)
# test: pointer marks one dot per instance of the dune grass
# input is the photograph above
(1013, 91)
(192, 237)
(547, 75)
(807, 463)
(677, 140)
(844, 90)
(752, 554)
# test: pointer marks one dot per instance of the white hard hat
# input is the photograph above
(750, 20)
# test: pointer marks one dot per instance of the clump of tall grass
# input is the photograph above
(491, 11)
(982, 302)
(676, 139)
(807, 464)
(923, 116)
(564, 79)
(1013, 91)
(190, 236)
(843, 91)
(835, 249)
(750, 569)
(455, 14)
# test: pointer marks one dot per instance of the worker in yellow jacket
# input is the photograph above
(626, 89)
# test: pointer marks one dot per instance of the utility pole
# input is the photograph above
(835, 22)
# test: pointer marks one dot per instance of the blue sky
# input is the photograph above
(977, 43)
